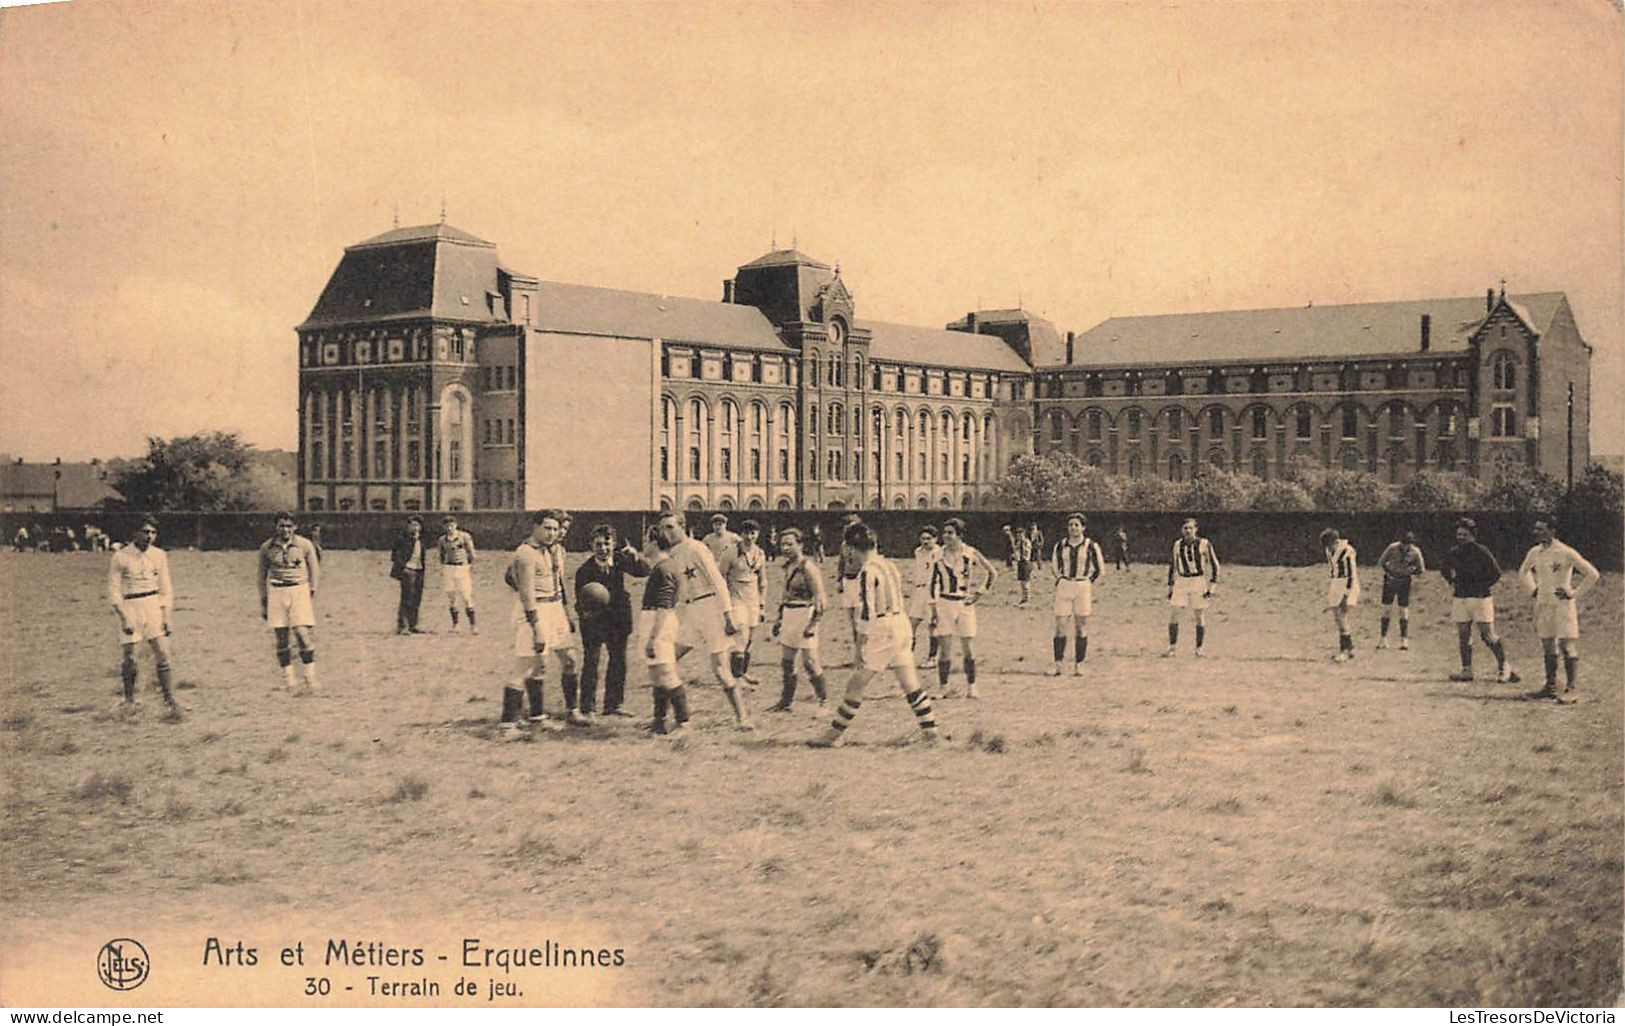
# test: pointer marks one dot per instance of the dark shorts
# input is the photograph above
(1396, 589)
(1024, 569)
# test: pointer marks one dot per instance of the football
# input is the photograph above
(595, 596)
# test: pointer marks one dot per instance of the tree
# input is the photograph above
(1150, 493)
(211, 471)
(1352, 491)
(1598, 493)
(1055, 480)
(1282, 497)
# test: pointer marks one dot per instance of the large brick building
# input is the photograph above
(433, 377)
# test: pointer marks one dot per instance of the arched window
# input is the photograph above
(837, 419)
(1504, 371)
(1306, 424)
(729, 439)
(1134, 425)
(832, 371)
(1094, 421)
(857, 371)
(758, 425)
(1261, 424)
(696, 429)
(922, 445)
(814, 371)
(1057, 426)
(456, 410)
(857, 424)
(1215, 422)
(786, 422)
(1176, 422)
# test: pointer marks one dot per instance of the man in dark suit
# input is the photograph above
(406, 565)
(607, 625)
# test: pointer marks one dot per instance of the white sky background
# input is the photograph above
(178, 181)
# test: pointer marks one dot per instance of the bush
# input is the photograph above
(1151, 493)
(1056, 480)
(1352, 491)
(1435, 490)
(1598, 493)
(1220, 490)
(1521, 489)
(1305, 472)
(1282, 497)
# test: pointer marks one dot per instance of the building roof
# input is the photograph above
(1294, 333)
(589, 310)
(1043, 341)
(423, 233)
(905, 343)
(82, 485)
(785, 258)
(409, 274)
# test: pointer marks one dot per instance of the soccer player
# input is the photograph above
(707, 610)
(1401, 563)
(1193, 577)
(954, 590)
(1342, 590)
(289, 572)
(887, 641)
(569, 649)
(660, 639)
(1077, 564)
(456, 569)
(801, 609)
(1473, 572)
(921, 607)
(539, 624)
(720, 541)
(1024, 553)
(745, 567)
(139, 588)
(847, 564)
(1548, 575)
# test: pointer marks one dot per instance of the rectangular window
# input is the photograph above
(346, 459)
(1503, 421)
(756, 464)
(1351, 422)
(510, 431)
(380, 459)
(456, 456)
(1305, 424)
(414, 460)
(727, 464)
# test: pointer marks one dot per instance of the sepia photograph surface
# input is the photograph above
(520, 504)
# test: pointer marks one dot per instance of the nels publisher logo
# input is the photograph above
(122, 964)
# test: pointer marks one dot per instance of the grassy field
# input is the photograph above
(1261, 827)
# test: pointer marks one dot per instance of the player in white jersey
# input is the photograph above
(954, 589)
(887, 642)
(706, 609)
(1342, 588)
(289, 572)
(457, 570)
(1548, 575)
(921, 607)
(720, 541)
(138, 587)
(1193, 577)
(745, 568)
(1076, 563)
(540, 623)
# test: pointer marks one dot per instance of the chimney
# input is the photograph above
(728, 290)
(970, 322)
(1071, 337)
(1427, 331)
(57, 462)
(1489, 300)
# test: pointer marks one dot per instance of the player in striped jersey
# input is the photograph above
(887, 642)
(1193, 577)
(1548, 573)
(706, 609)
(1076, 563)
(1025, 553)
(955, 593)
(847, 565)
(1342, 590)
(921, 608)
(796, 626)
(457, 569)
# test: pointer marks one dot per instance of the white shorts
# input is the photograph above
(747, 612)
(665, 642)
(143, 620)
(1336, 589)
(919, 602)
(552, 626)
(793, 629)
(1557, 618)
(887, 640)
(458, 581)
(850, 589)
(956, 618)
(289, 607)
(1189, 592)
(1074, 598)
(703, 625)
(1472, 610)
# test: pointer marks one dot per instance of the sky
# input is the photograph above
(179, 180)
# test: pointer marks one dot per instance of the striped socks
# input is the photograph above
(920, 702)
(845, 714)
